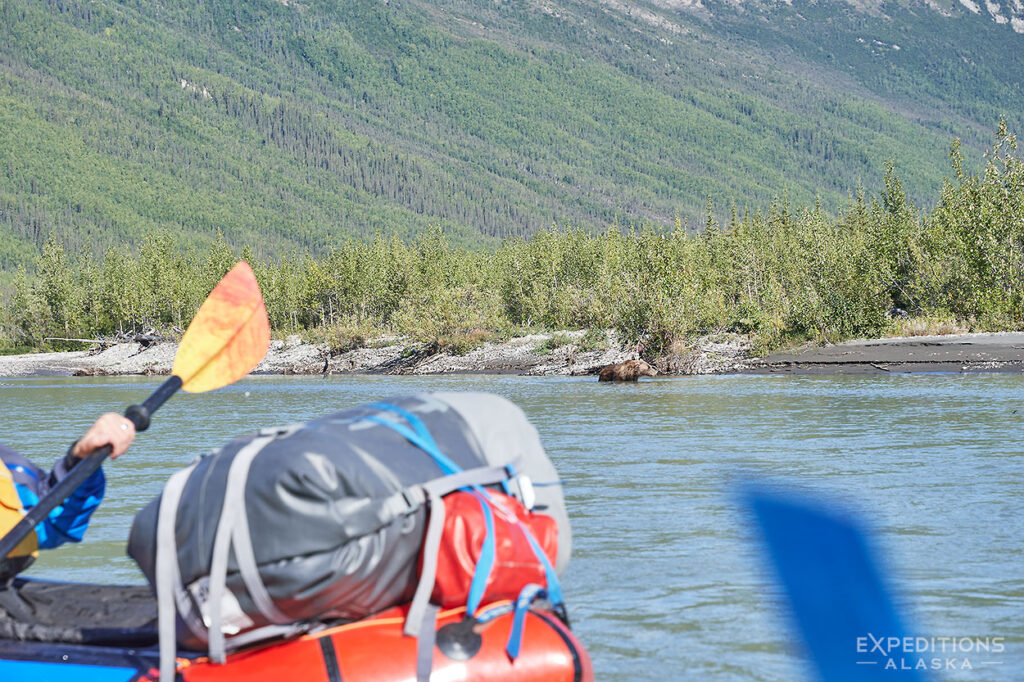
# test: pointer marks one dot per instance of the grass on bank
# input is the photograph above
(780, 275)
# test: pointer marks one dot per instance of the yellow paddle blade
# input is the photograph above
(228, 336)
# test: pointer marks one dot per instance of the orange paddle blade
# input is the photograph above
(228, 336)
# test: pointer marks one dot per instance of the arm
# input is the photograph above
(67, 523)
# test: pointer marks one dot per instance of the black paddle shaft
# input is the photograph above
(138, 414)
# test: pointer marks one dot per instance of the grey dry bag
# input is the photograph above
(324, 520)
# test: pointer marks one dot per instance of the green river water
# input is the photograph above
(665, 581)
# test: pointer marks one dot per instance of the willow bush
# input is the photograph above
(779, 275)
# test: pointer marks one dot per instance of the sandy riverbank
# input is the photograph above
(532, 355)
(953, 353)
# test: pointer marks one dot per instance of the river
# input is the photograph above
(665, 581)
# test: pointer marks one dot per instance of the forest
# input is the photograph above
(783, 275)
(298, 126)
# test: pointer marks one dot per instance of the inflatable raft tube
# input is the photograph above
(372, 649)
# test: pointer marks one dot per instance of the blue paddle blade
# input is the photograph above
(836, 594)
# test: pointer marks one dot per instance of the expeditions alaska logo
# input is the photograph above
(930, 653)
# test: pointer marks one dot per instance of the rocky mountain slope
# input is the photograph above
(1009, 12)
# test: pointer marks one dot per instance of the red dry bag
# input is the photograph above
(463, 543)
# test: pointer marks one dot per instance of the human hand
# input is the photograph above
(110, 429)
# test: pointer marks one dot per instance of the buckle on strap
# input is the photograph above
(414, 497)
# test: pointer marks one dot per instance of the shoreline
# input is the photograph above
(527, 355)
(960, 353)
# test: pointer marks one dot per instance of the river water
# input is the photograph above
(665, 581)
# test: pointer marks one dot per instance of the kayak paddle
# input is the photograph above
(227, 338)
(838, 598)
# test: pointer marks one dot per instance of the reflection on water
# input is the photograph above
(664, 582)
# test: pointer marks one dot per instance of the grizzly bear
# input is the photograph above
(630, 370)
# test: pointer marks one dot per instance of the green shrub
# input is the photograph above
(342, 336)
(593, 339)
(556, 340)
(780, 275)
(456, 320)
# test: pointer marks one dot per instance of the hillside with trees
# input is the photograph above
(294, 126)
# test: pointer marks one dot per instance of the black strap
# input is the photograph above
(330, 659)
(577, 664)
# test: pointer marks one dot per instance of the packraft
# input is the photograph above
(352, 514)
(106, 633)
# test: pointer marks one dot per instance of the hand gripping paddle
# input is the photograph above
(226, 339)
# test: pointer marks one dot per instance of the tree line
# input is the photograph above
(781, 274)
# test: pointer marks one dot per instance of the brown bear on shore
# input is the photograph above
(630, 370)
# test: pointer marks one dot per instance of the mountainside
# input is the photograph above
(281, 123)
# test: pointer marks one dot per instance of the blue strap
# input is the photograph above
(414, 421)
(554, 587)
(446, 465)
(420, 436)
(488, 555)
(511, 474)
(489, 614)
(424, 433)
(515, 637)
